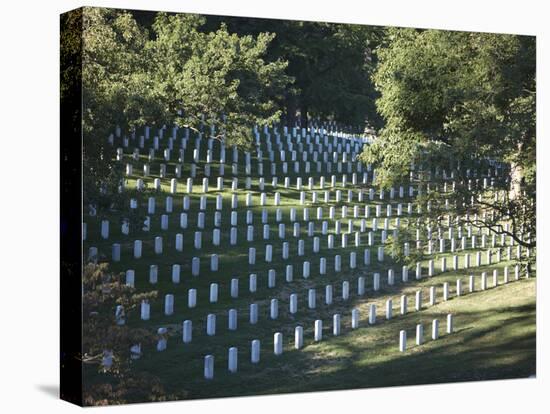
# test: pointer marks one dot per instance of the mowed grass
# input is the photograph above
(494, 338)
(495, 329)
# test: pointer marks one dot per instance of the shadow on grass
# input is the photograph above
(499, 343)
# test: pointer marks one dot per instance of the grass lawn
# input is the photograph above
(494, 334)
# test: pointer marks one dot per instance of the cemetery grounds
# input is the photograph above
(494, 329)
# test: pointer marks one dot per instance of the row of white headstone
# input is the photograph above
(318, 336)
(346, 240)
(311, 302)
(278, 341)
(262, 184)
(158, 249)
(420, 333)
(341, 142)
(220, 183)
(289, 271)
(273, 171)
(307, 219)
(318, 158)
(335, 146)
(209, 157)
(358, 144)
(323, 163)
(267, 230)
(296, 232)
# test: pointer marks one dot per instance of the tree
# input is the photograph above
(330, 62)
(132, 76)
(116, 91)
(175, 74)
(107, 340)
(216, 78)
(464, 102)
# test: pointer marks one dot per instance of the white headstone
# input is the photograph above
(435, 329)
(418, 300)
(372, 314)
(318, 334)
(403, 305)
(389, 309)
(232, 360)
(211, 324)
(298, 337)
(191, 298)
(278, 343)
(419, 334)
(255, 351)
(355, 318)
(253, 313)
(209, 367)
(450, 323)
(402, 340)
(336, 322)
(187, 331)
(169, 304)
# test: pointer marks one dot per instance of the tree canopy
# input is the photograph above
(169, 74)
(472, 91)
(330, 62)
(153, 76)
(460, 100)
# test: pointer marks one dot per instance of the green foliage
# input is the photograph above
(70, 56)
(116, 86)
(451, 100)
(473, 91)
(217, 75)
(132, 78)
(102, 291)
(116, 90)
(394, 246)
(331, 64)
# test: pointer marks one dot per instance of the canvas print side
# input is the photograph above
(71, 206)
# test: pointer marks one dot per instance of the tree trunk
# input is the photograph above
(290, 111)
(516, 177)
(303, 116)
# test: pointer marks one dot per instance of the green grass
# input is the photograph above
(495, 329)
